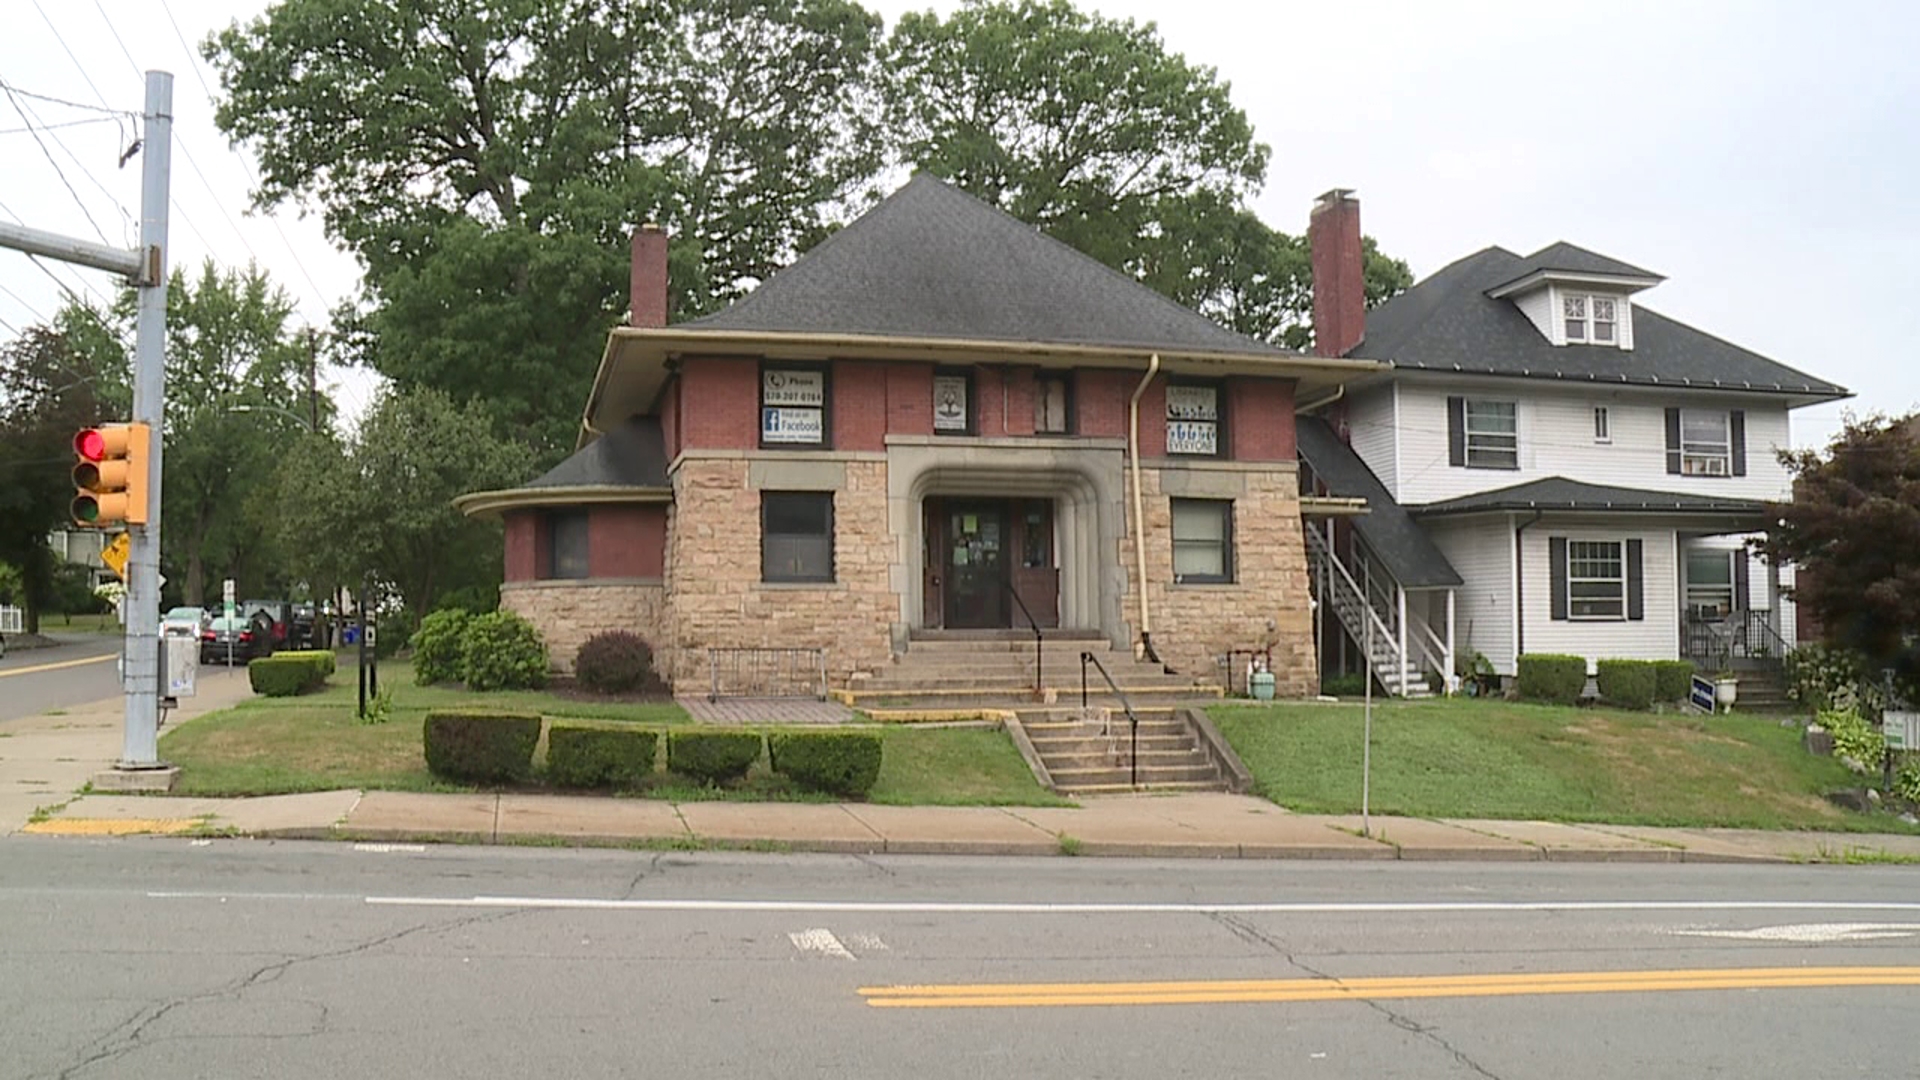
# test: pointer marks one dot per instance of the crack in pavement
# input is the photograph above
(1254, 935)
(868, 861)
(114, 1045)
(653, 865)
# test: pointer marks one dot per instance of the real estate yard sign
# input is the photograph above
(1902, 730)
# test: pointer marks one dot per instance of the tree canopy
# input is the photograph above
(487, 162)
(1853, 531)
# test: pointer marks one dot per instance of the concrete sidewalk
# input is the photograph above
(45, 759)
(1188, 825)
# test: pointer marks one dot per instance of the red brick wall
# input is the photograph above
(647, 288)
(1100, 401)
(1339, 274)
(1019, 400)
(1260, 419)
(670, 418)
(989, 402)
(861, 405)
(1153, 415)
(626, 541)
(910, 399)
(523, 539)
(721, 407)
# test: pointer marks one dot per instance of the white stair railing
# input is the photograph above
(1350, 604)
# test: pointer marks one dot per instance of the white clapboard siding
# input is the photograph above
(1481, 551)
(1372, 427)
(1656, 637)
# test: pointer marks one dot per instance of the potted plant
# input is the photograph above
(1726, 690)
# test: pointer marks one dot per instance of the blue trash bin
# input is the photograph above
(350, 635)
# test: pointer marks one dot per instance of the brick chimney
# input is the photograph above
(648, 292)
(1339, 282)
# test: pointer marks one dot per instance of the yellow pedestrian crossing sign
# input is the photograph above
(115, 555)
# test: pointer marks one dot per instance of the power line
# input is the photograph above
(22, 301)
(56, 165)
(76, 105)
(125, 214)
(44, 126)
(57, 36)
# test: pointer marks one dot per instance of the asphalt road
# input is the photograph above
(176, 958)
(78, 670)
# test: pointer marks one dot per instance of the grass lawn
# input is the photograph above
(271, 746)
(1480, 759)
(80, 624)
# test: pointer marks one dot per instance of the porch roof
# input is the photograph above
(1394, 537)
(627, 464)
(1560, 493)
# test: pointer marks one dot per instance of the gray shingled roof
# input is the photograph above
(1410, 556)
(631, 455)
(1448, 323)
(931, 261)
(1559, 493)
(1573, 259)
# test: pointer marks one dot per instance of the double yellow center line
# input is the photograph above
(1035, 995)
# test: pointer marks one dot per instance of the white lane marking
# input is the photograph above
(1813, 933)
(907, 907)
(388, 849)
(200, 843)
(820, 940)
(867, 942)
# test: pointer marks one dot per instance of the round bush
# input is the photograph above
(436, 646)
(1672, 679)
(614, 662)
(1628, 684)
(502, 651)
(1551, 677)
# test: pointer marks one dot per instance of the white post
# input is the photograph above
(1366, 742)
(140, 747)
(1401, 595)
(1452, 666)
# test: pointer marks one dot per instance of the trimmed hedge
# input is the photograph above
(323, 657)
(285, 674)
(841, 762)
(436, 646)
(589, 756)
(502, 651)
(482, 747)
(614, 662)
(1672, 680)
(713, 755)
(1629, 684)
(1552, 677)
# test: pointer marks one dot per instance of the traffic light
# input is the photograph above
(111, 475)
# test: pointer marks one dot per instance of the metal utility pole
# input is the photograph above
(147, 269)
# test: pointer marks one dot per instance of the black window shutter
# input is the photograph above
(1456, 431)
(1740, 584)
(1737, 431)
(1557, 556)
(1673, 441)
(1636, 583)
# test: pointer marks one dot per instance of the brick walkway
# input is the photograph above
(740, 710)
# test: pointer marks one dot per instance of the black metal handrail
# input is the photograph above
(1039, 639)
(1133, 720)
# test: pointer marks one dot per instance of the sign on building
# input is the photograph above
(1193, 420)
(950, 403)
(793, 406)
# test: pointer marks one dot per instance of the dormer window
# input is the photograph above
(1575, 309)
(1591, 318)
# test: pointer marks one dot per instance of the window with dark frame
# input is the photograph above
(793, 406)
(1602, 425)
(796, 536)
(1706, 443)
(1202, 541)
(567, 545)
(1052, 405)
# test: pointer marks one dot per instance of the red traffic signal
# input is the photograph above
(110, 477)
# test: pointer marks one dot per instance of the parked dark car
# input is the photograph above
(235, 640)
(278, 615)
(308, 632)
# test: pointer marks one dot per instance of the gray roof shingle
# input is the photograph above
(631, 455)
(931, 261)
(1410, 556)
(1573, 259)
(1448, 323)
(1560, 493)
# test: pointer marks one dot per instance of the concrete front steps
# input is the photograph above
(1087, 752)
(959, 669)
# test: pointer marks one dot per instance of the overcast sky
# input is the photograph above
(1761, 154)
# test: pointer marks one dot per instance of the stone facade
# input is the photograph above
(1266, 604)
(713, 565)
(568, 612)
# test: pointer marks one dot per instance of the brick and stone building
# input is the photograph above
(938, 420)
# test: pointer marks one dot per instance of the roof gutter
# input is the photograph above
(1314, 406)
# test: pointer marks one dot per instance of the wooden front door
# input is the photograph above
(976, 565)
(1035, 577)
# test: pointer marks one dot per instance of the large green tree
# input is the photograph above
(1853, 531)
(487, 161)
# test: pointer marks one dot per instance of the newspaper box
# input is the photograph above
(180, 651)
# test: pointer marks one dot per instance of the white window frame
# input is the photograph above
(1602, 590)
(1488, 441)
(1602, 424)
(1696, 591)
(1570, 321)
(1611, 323)
(1580, 321)
(1702, 458)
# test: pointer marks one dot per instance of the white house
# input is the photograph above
(1550, 466)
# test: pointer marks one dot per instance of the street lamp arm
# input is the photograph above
(301, 420)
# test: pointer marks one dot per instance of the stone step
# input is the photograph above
(1018, 633)
(1076, 779)
(1067, 729)
(1063, 754)
(1126, 789)
(1100, 648)
(1159, 759)
(998, 697)
(1012, 683)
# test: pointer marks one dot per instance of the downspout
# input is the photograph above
(1519, 588)
(1138, 525)
(1314, 406)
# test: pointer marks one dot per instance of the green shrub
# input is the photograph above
(436, 646)
(1628, 684)
(482, 747)
(1672, 680)
(1344, 685)
(322, 657)
(713, 755)
(1552, 678)
(285, 674)
(591, 756)
(1906, 782)
(502, 651)
(614, 662)
(1854, 738)
(841, 762)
